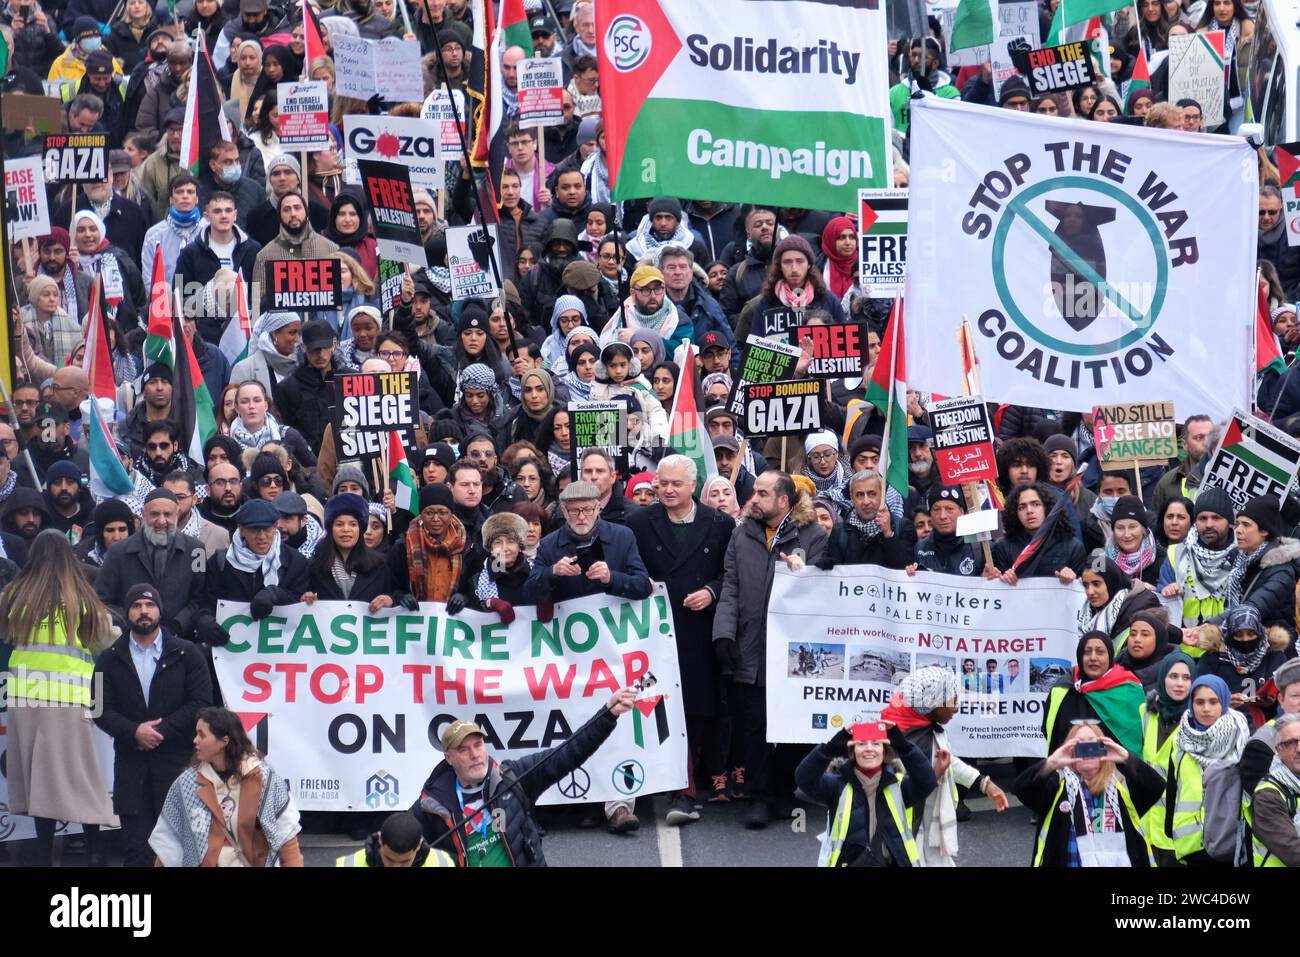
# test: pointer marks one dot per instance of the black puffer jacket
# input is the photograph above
(304, 400)
(439, 810)
(949, 555)
(1269, 584)
(1059, 550)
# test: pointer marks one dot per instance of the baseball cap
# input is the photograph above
(317, 334)
(458, 731)
(645, 275)
(713, 340)
(541, 23)
(726, 442)
(99, 63)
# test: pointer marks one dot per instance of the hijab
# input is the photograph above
(357, 236)
(544, 377)
(839, 269)
(1079, 680)
(1171, 710)
(1220, 689)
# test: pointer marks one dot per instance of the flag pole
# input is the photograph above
(970, 386)
(894, 316)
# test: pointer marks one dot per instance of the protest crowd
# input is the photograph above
(196, 332)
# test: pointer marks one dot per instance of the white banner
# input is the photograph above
(350, 706)
(397, 139)
(388, 67)
(839, 641)
(1110, 262)
(26, 199)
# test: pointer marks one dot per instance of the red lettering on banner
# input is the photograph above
(340, 676)
(635, 665)
(550, 676)
(255, 678)
(370, 679)
(601, 678)
(291, 670)
(455, 684)
(487, 687)
(418, 673)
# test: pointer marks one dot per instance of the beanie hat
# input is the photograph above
(112, 510)
(1214, 500)
(565, 304)
(267, 464)
(665, 204)
(505, 525)
(163, 493)
(158, 371)
(1015, 86)
(1129, 506)
(472, 316)
(349, 473)
(345, 504)
(945, 493)
(928, 688)
(142, 590)
(57, 236)
(453, 31)
(580, 275)
(1266, 512)
(864, 443)
(283, 159)
(794, 243)
(436, 494)
(822, 437)
(441, 453)
(62, 469)
(1062, 443)
(83, 27)
(636, 481)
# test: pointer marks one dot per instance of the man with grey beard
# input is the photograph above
(158, 554)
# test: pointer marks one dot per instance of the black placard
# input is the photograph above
(1056, 69)
(304, 284)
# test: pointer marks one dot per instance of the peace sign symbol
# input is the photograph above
(576, 785)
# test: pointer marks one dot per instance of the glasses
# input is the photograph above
(27, 402)
(392, 354)
(183, 496)
(609, 257)
(223, 483)
(267, 481)
(823, 456)
(479, 454)
(158, 446)
(651, 287)
(1288, 745)
(1270, 213)
(581, 511)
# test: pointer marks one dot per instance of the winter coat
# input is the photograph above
(264, 222)
(1038, 791)
(628, 577)
(198, 264)
(1019, 420)
(439, 811)
(215, 368)
(825, 787)
(685, 565)
(1215, 661)
(124, 225)
(744, 281)
(158, 101)
(543, 284)
(123, 43)
(312, 245)
(755, 319)
(34, 47)
(1060, 549)
(369, 584)
(225, 581)
(949, 555)
(750, 565)
(705, 316)
(305, 399)
(171, 239)
(248, 193)
(126, 563)
(848, 546)
(1277, 250)
(1270, 583)
(180, 687)
(515, 234)
(716, 229)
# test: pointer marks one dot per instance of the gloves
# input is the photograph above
(837, 746)
(545, 611)
(456, 604)
(375, 105)
(502, 608)
(208, 632)
(728, 652)
(409, 602)
(824, 563)
(263, 604)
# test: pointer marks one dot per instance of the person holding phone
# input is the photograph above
(872, 797)
(1090, 794)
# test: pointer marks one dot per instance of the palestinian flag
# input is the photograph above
(1268, 358)
(192, 403)
(158, 345)
(312, 37)
(972, 25)
(400, 476)
(239, 331)
(642, 710)
(484, 77)
(888, 393)
(1073, 11)
(1116, 698)
(205, 124)
(1140, 80)
(1288, 164)
(108, 477)
(687, 434)
(513, 27)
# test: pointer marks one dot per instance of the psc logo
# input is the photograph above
(627, 42)
(382, 788)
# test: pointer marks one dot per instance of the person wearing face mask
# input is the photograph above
(1211, 739)
(255, 19)
(224, 171)
(165, 95)
(871, 797)
(1198, 568)
(83, 39)
(1245, 654)
(1100, 691)
(1161, 716)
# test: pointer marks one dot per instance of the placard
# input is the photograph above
(438, 107)
(541, 92)
(963, 440)
(776, 322)
(390, 284)
(22, 111)
(598, 425)
(387, 188)
(396, 139)
(1056, 69)
(1196, 72)
(763, 360)
(379, 402)
(840, 641)
(1288, 166)
(469, 258)
(390, 68)
(1018, 28)
(837, 349)
(76, 158)
(304, 284)
(27, 210)
(882, 242)
(1252, 459)
(791, 407)
(1139, 432)
(304, 121)
(349, 706)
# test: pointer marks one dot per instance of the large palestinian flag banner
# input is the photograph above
(782, 102)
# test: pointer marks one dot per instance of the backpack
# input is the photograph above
(1221, 799)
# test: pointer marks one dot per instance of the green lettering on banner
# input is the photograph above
(492, 641)
(462, 645)
(374, 636)
(589, 623)
(307, 635)
(341, 628)
(407, 631)
(549, 634)
(271, 627)
(230, 624)
(640, 623)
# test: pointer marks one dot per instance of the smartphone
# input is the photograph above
(588, 555)
(1089, 749)
(25, 11)
(870, 731)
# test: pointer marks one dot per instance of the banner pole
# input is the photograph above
(740, 457)
(1137, 482)
(971, 491)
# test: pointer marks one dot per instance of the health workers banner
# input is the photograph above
(839, 641)
(1093, 261)
(350, 706)
(783, 102)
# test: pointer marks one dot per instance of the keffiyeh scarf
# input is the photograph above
(1224, 740)
(1111, 822)
(1104, 619)
(1240, 566)
(271, 431)
(246, 560)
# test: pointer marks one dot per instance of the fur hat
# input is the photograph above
(505, 525)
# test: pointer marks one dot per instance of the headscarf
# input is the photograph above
(544, 377)
(1115, 696)
(1158, 619)
(1244, 657)
(1118, 585)
(1171, 710)
(103, 230)
(478, 376)
(1225, 740)
(838, 271)
(1079, 680)
(269, 323)
(359, 234)
(653, 340)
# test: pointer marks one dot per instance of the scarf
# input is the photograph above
(903, 715)
(557, 460)
(183, 221)
(833, 481)
(644, 241)
(795, 298)
(1115, 697)
(242, 557)
(1210, 568)
(1171, 710)
(663, 320)
(314, 535)
(868, 529)
(1104, 619)
(68, 291)
(1245, 661)
(838, 271)
(1242, 564)
(269, 432)
(8, 485)
(1222, 741)
(342, 577)
(596, 173)
(1132, 563)
(281, 365)
(1110, 816)
(577, 388)
(1284, 776)
(434, 565)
